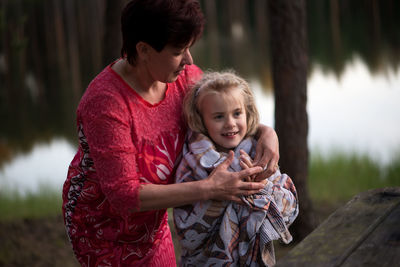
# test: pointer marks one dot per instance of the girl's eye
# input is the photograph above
(237, 113)
(218, 117)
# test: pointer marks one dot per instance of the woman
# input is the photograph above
(131, 132)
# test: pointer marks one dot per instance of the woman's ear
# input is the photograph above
(142, 50)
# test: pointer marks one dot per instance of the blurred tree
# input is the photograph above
(289, 68)
(112, 35)
(212, 37)
(60, 40)
(73, 47)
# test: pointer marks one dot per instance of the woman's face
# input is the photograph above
(224, 116)
(166, 65)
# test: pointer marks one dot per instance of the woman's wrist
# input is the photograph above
(206, 189)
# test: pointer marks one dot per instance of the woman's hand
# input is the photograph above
(226, 185)
(267, 152)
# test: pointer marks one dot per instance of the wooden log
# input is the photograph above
(364, 232)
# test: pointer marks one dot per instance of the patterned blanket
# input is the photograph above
(222, 233)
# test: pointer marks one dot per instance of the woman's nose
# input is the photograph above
(187, 59)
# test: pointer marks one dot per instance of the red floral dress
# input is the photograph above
(123, 142)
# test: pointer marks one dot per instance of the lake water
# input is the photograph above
(348, 115)
(353, 85)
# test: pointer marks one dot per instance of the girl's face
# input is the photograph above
(166, 65)
(224, 116)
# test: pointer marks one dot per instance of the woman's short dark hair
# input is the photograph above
(158, 23)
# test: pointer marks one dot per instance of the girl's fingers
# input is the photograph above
(247, 161)
(246, 158)
(249, 172)
(232, 185)
(243, 164)
(272, 167)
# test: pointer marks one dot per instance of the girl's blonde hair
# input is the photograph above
(218, 82)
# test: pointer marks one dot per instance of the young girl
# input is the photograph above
(221, 113)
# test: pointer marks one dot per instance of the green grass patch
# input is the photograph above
(45, 202)
(340, 176)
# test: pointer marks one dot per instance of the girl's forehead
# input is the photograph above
(231, 97)
(234, 98)
(232, 94)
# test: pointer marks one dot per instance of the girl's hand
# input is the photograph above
(226, 185)
(267, 152)
(246, 162)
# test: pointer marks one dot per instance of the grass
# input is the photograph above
(13, 205)
(339, 177)
(332, 179)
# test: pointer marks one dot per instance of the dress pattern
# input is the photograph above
(77, 182)
(124, 142)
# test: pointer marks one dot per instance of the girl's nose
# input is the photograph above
(229, 123)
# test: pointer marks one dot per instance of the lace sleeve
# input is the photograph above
(106, 124)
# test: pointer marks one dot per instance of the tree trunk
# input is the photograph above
(36, 54)
(336, 38)
(73, 47)
(210, 8)
(97, 26)
(289, 70)
(6, 50)
(112, 36)
(61, 43)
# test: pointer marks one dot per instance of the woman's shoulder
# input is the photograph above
(106, 82)
(193, 71)
(190, 75)
(102, 91)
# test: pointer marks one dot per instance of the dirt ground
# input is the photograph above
(35, 242)
(43, 242)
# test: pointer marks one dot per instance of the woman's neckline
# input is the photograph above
(132, 90)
